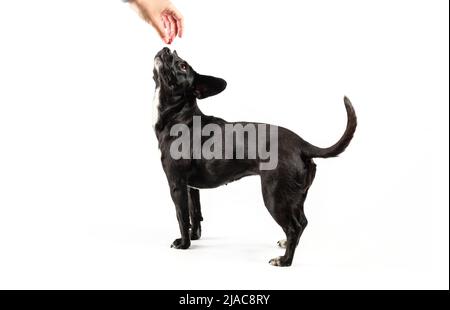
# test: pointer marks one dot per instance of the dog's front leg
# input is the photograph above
(178, 191)
(195, 213)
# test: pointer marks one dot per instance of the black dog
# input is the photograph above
(284, 188)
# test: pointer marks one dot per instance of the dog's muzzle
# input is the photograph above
(162, 56)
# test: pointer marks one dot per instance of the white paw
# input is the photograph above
(275, 261)
(282, 243)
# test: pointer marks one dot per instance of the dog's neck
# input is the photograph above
(173, 108)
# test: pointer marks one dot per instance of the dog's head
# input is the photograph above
(175, 74)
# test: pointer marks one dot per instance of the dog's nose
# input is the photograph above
(166, 51)
(163, 53)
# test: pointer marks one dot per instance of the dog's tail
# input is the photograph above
(312, 151)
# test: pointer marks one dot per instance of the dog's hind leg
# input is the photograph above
(293, 229)
(307, 178)
(195, 213)
(300, 214)
(285, 204)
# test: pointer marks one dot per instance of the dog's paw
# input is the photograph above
(181, 244)
(279, 262)
(196, 233)
(282, 243)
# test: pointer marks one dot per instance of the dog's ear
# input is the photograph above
(207, 86)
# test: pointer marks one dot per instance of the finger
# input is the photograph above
(159, 25)
(180, 21)
(179, 28)
(166, 24)
(174, 28)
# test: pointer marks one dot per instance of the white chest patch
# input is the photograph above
(155, 108)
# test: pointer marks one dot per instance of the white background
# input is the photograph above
(84, 203)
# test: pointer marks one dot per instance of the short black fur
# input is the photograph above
(284, 188)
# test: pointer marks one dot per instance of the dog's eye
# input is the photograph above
(183, 66)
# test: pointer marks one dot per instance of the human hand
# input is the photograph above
(163, 16)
